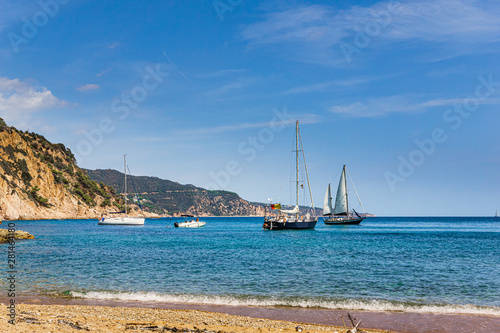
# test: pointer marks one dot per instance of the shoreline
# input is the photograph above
(370, 320)
(97, 217)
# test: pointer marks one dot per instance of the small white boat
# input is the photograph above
(190, 224)
(125, 220)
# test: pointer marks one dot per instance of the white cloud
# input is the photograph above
(314, 33)
(382, 106)
(88, 87)
(18, 100)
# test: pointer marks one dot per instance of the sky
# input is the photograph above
(406, 94)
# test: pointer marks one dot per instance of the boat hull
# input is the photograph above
(289, 225)
(122, 221)
(189, 224)
(343, 222)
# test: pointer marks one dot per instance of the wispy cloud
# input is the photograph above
(89, 86)
(236, 84)
(113, 45)
(304, 119)
(104, 72)
(326, 85)
(382, 106)
(195, 134)
(18, 99)
(314, 33)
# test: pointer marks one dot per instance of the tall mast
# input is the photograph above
(297, 161)
(307, 174)
(346, 198)
(125, 171)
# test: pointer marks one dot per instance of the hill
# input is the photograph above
(167, 197)
(40, 180)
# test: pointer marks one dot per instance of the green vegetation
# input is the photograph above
(59, 177)
(3, 125)
(106, 202)
(39, 199)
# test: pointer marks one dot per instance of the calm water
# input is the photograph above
(449, 265)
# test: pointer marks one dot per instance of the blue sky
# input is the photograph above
(407, 94)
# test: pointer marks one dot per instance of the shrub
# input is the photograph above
(39, 199)
(105, 203)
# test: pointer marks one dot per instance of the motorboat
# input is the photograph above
(190, 224)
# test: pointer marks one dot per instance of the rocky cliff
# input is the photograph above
(40, 180)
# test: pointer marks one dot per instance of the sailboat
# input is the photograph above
(340, 214)
(123, 220)
(290, 219)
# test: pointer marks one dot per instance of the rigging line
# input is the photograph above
(135, 190)
(307, 174)
(291, 171)
(355, 190)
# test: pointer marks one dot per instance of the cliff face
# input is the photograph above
(218, 205)
(40, 180)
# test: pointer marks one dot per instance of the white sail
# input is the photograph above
(327, 203)
(341, 199)
(295, 210)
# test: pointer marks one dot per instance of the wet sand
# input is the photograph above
(384, 321)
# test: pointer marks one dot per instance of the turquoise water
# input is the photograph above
(447, 265)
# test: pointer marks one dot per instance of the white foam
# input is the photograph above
(367, 305)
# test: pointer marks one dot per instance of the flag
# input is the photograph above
(276, 206)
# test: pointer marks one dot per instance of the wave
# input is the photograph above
(347, 304)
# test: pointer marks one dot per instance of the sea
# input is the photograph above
(448, 265)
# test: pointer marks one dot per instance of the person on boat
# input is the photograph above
(197, 220)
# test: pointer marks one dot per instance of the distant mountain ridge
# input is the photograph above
(166, 197)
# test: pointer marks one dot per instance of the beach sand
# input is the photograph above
(80, 318)
(38, 313)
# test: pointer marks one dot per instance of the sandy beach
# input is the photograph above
(42, 314)
(73, 318)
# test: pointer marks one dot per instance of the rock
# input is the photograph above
(18, 234)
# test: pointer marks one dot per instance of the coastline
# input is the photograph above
(259, 318)
(147, 215)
